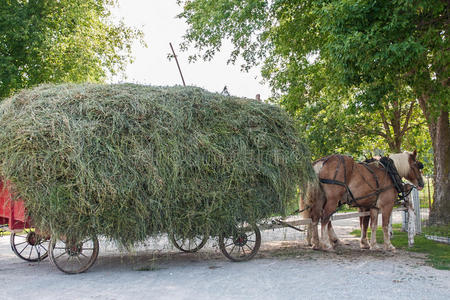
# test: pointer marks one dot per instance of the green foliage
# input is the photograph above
(337, 65)
(45, 41)
(405, 40)
(130, 161)
(212, 21)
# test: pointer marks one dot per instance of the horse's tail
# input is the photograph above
(311, 204)
(304, 209)
(312, 201)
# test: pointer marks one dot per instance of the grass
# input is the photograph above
(443, 231)
(438, 254)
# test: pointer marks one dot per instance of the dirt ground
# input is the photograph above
(285, 268)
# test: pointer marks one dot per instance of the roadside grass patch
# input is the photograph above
(443, 231)
(438, 254)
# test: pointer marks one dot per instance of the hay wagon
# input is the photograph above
(26, 242)
(127, 162)
(73, 257)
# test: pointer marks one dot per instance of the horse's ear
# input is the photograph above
(414, 154)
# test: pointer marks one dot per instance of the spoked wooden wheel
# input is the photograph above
(73, 257)
(189, 245)
(241, 245)
(29, 245)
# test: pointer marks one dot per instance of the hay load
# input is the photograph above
(130, 161)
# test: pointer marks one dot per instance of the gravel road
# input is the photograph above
(285, 268)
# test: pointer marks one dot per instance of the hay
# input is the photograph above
(131, 161)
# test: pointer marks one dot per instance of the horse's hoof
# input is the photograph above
(374, 247)
(316, 247)
(364, 246)
(336, 242)
(327, 248)
(336, 245)
(389, 248)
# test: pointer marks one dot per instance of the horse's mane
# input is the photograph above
(401, 161)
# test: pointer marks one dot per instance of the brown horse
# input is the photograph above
(365, 185)
(364, 221)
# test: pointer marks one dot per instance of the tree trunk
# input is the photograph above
(440, 211)
(440, 135)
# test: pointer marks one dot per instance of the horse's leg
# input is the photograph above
(385, 216)
(328, 210)
(333, 237)
(305, 214)
(324, 237)
(364, 224)
(309, 234)
(315, 235)
(373, 227)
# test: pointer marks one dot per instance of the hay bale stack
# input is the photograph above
(130, 161)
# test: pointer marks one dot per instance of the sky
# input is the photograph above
(157, 19)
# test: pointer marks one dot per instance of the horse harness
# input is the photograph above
(395, 177)
(386, 162)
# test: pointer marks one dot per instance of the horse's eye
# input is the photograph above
(420, 165)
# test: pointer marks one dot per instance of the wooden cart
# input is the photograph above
(26, 242)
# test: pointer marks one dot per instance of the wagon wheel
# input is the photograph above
(188, 245)
(73, 257)
(29, 245)
(241, 245)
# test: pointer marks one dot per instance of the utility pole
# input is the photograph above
(176, 59)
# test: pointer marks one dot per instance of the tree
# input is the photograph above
(45, 41)
(375, 49)
(400, 43)
(332, 125)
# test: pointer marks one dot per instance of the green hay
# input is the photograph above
(131, 161)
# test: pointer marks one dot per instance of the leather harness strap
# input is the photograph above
(353, 200)
(389, 165)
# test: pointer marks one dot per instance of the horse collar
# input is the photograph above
(389, 165)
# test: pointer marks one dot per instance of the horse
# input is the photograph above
(368, 186)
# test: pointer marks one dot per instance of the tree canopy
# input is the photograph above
(60, 41)
(355, 56)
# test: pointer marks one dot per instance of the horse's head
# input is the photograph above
(415, 172)
(409, 167)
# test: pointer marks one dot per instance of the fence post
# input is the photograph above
(405, 216)
(411, 225)
(416, 206)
